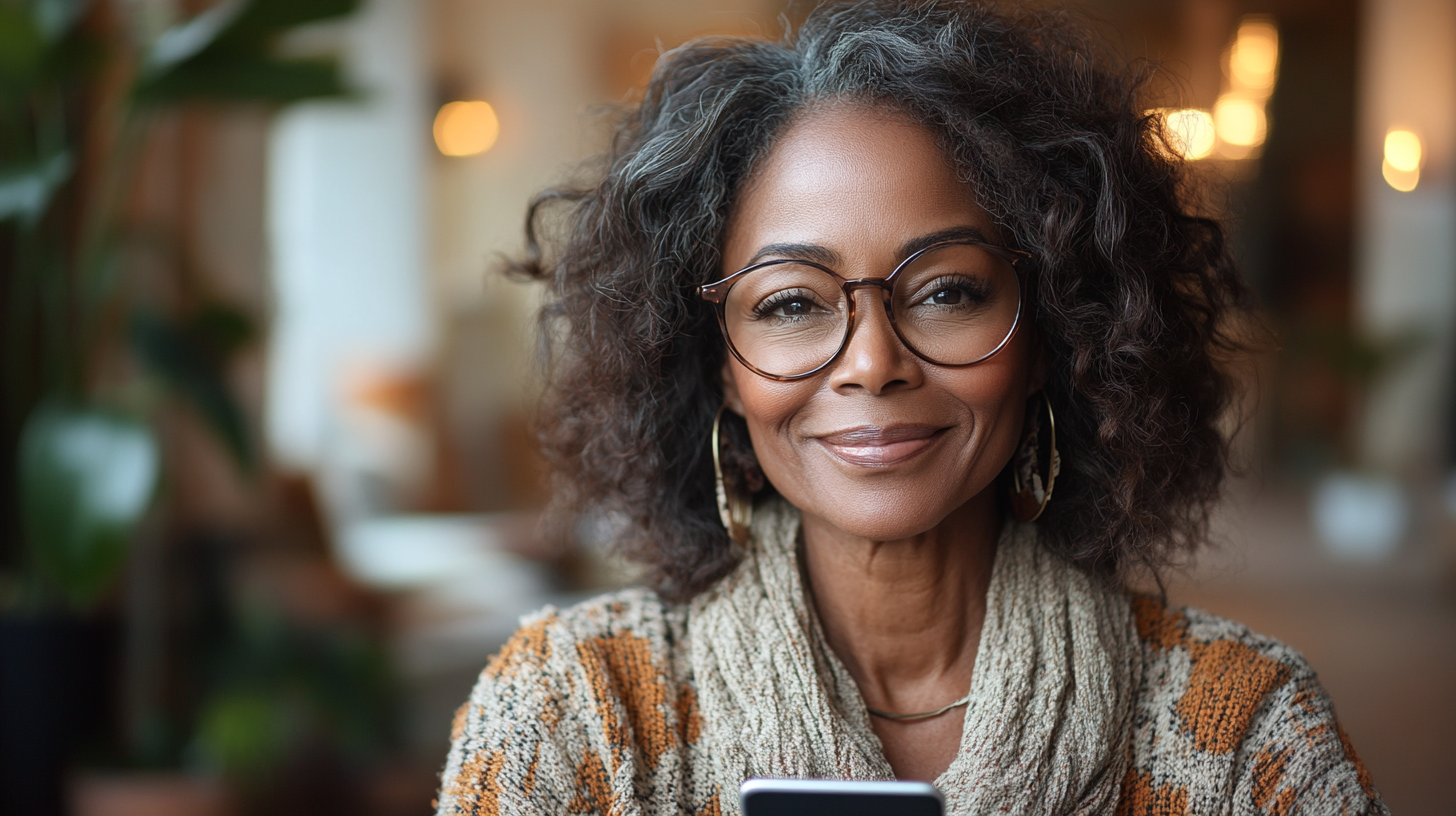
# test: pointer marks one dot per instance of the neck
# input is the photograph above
(905, 616)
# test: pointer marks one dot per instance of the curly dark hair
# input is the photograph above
(1132, 291)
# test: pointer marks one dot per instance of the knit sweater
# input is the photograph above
(596, 710)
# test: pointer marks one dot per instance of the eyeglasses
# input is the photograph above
(953, 303)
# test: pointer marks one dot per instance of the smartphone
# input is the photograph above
(829, 797)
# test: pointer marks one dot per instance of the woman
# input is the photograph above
(891, 350)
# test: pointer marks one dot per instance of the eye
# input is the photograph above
(957, 291)
(788, 304)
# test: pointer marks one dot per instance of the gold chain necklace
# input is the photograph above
(923, 715)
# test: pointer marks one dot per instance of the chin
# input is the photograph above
(884, 515)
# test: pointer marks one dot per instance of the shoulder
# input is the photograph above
(1223, 709)
(632, 621)
(578, 703)
(1214, 658)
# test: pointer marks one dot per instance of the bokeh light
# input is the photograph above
(1402, 180)
(1402, 164)
(1239, 121)
(1403, 150)
(466, 128)
(1254, 56)
(1189, 132)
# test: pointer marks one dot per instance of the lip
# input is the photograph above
(874, 446)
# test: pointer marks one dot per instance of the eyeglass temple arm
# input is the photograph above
(715, 292)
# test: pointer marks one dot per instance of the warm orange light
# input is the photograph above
(1402, 165)
(1403, 150)
(1239, 121)
(1189, 132)
(1254, 55)
(466, 128)
(1402, 180)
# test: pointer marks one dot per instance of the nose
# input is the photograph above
(874, 360)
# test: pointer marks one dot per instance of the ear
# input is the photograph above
(731, 397)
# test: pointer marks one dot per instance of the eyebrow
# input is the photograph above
(962, 233)
(827, 257)
(804, 252)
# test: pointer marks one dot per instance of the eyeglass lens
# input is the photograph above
(953, 305)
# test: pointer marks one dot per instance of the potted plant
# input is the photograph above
(1358, 512)
(89, 356)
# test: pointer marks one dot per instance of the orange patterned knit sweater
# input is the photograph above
(1084, 699)
(594, 711)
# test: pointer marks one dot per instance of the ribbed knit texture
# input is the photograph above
(1046, 724)
(1084, 700)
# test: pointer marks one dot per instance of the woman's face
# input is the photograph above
(880, 444)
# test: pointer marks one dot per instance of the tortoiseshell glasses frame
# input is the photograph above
(717, 293)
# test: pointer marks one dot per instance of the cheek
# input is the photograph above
(993, 397)
(767, 405)
(996, 392)
(769, 408)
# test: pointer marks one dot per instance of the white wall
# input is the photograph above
(1406, 262)
(347, 219)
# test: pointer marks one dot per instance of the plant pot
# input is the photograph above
(56, 694)
(149, 794)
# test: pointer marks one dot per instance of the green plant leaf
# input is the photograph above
(41, 48)
(1357, 357)
(86, 476)
(21, 42)
(226, 53)
(224, 330)
(245, 734)
(26, 192)
(244, 78)
(55, 19)
(186, 40)
(265, 19)
(191, 358)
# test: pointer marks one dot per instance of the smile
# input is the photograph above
(870, 446)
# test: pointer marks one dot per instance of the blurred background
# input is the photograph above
(270, 490)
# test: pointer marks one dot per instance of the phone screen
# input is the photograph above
(825, 797)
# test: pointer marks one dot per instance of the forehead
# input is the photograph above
(858, 181)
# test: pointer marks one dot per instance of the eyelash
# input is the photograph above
(778, 299)
(974, 288)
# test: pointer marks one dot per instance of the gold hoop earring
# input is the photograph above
(1029, 496)
(734, 510)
